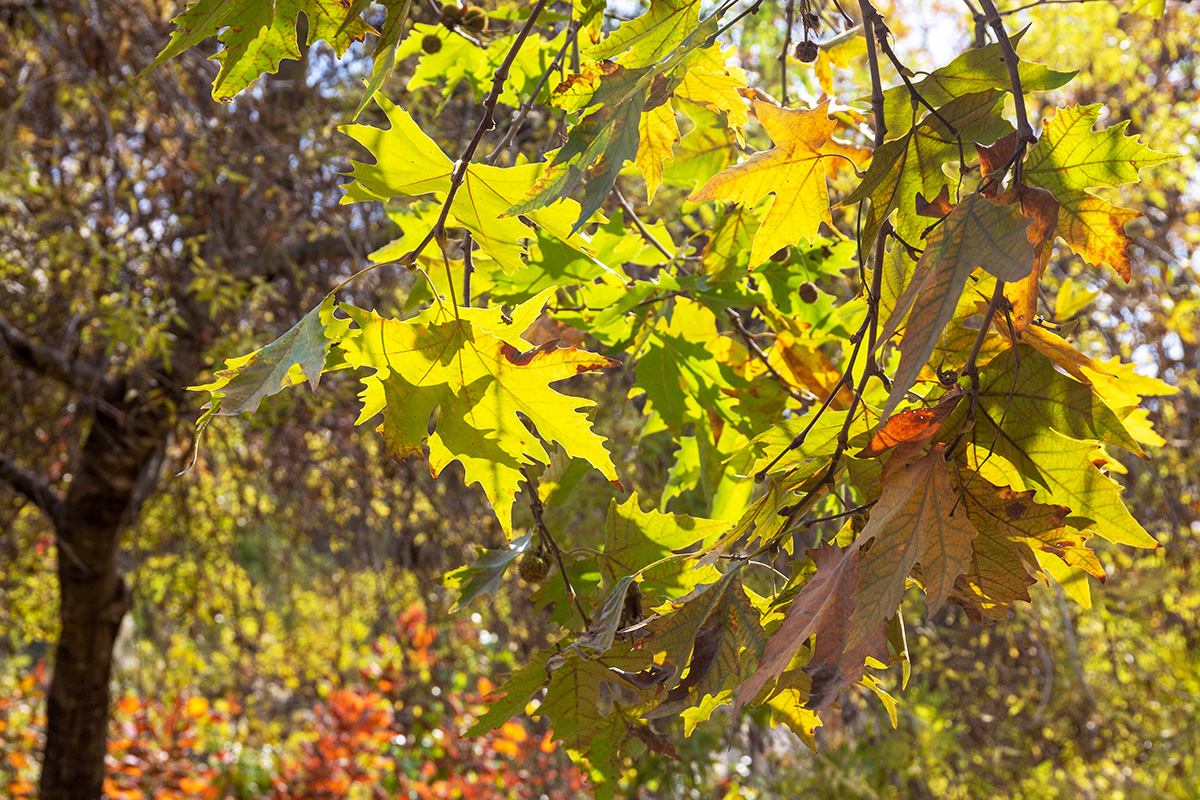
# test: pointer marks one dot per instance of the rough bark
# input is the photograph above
(119, 466)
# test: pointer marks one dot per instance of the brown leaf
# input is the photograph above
(908, 431)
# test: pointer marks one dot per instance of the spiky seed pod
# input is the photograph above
(808, 292)
(533, 567)
(811, 22)
(474, 18)
(806, 51)
(431, 44)
(451, 12)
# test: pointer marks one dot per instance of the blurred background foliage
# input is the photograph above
(290, 635)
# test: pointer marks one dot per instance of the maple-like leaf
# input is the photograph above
(477, 383)
(977, 233)
(791, 170)
(1011, 527)
(913, 163)
(1022, 439)
(255, 36)
(851, 595)
(1072, 157)
(583, 705)
(823, 607)
(916, 521)
(409, 163)
(296, 356)
(635, 538)
(646, 39)
(976, 70)
(716, 633)
(657, 135)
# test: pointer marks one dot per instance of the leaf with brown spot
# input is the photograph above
(1011, 526)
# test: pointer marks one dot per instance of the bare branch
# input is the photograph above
(51, 362)
(33, 487)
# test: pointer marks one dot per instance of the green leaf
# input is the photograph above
(913, 164)
(255, 36)
(717, 634)
(298, 355)
(483, 577)
(409, 163)
(646, 40)
(635, 538)
(976, 70)
(1071, 158)
(478, 383)
(1026, 453)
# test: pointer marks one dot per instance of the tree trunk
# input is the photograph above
(119, 465)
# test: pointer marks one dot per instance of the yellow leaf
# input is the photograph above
(657, 134)
(791, 170)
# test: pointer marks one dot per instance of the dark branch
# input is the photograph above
(33, 487)
(51, 362)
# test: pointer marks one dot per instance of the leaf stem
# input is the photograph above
(535, 507)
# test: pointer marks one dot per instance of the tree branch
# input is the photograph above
(33, 487)
(51, 362)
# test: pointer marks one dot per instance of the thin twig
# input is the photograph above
(753, 347)
(1024, 130)
(535, 507)
(642, 229)
(869, 15)
(789, 20)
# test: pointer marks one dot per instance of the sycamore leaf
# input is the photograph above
(296, 356)
(1040, 398)
(977, 233)
(906, 433)
(1042, 208)
(1012, 526)
(791, 170)
(634, 538)
(604, 625)
(255, 36)
(483, 577)
(599, 144)
(409, 163)
(822, 608)
(1024, 442)
(912, 165)
(1071, 158)
(582, 705)
(645, 40)
(657, 135)
(916, 521)
(976, 70)
(718, 634)
(477, 383)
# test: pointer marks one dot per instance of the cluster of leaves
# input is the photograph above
(930, 427)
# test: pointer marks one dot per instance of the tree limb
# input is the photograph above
(51, 362)
(33, 487)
